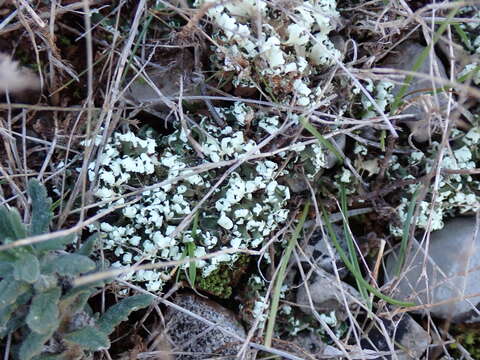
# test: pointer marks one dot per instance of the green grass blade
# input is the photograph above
(406, 232)
(463, 36)
(281, 276)
(306, 124)
(351, 268)
(383, 136)
(192, 267)
(352, 252)
(464, 77)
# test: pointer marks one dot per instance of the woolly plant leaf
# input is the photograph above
(32, 345)
(12, 316)
(74, 301)
(89, 338)
(58, 243)
(26, 268)
(73, 264)
(11, 325)
(5, 315)
(5, 267)
(43, 315)
(88, 245)
(61, 356)
(45, 282)
(41, 208)
(10, 290)
(11, 226)
(119, 312)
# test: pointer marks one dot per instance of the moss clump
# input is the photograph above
(469, 338)
(217, 283)
(221, 281)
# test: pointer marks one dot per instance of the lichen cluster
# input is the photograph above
(457, 193)
(381, 92)
(291, 321)
(468, 33)
(468, 30)
(244, 211)
(458, 190)
(280, 46)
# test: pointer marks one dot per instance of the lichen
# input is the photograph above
(283, 51)
(244, 211)
(471, 71)
(458, 192)
(380, 91)
(468, 31)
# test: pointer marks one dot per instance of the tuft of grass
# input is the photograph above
(327, 144)
(192, 268)
(281, 276)
(463, 36)
(352, 253)
(358, 275)
(406, 232)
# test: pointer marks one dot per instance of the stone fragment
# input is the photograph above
(326, 294)
(452, 272)
(196, 339)
(169, 76)
(332, 159)
(310, 343)
(424, 108)
(296, 183)
(316, 251)
(409, 339)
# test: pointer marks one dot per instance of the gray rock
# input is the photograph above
(423, 107)
(326, 294)
(316, 251)
(409, 338)
(296, 183)
(165, 75)
(309, 343)
(452, 270)
(201, 341)
(340, 141)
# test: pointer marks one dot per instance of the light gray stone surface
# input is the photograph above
(201, 341)
(410, 340)
(452, 272)
(326, 294)
(425, 109)
(166, 75)
(309, 343)
(316, 251)
(340, 141)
